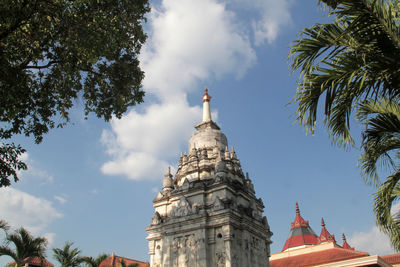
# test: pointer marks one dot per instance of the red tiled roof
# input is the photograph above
(300, 233)
(392, 259)
(36, 261)
(115, 261)
(318, 257)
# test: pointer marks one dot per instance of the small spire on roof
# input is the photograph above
(325, 236)
(345, 244)
(206, 106)
(297, 209)
(227, 156)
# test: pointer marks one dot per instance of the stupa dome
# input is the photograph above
(208, 134)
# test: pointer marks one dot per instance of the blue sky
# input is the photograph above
(93, 182)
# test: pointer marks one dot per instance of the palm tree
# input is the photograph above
(381, 147)
(341, 63)
(95, 262)
(66, 256)
(25, 245)
(4, 226)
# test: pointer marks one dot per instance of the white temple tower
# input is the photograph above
(208, 214)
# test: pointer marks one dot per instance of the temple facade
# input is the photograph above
(207, 214)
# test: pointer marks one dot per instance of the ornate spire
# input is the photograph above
(345, 244)
(325, 236)
(300, 234)
(206, 106)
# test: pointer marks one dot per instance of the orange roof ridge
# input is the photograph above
(392, 258)
(318, 257)
(114, 261)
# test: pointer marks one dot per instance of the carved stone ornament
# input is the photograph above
(218, 204)
(156, 219)
(220, 259)
(185, 185)
(181, 208)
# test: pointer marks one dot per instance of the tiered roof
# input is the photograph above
(301, 234)
(303, 248)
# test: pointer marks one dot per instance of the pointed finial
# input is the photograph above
(206, 106)
(322, 222)
(169, 169)
(206, 97)
(247, 175)
(297, 209)
(227, 156)
(345, 244)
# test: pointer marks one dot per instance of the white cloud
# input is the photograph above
(33, 171)
(61, 199)
(140, 143)
(50, 238)
(186, 46)
(94, 192)
(274, 15)
(374, 242)
(22, 209)
(189, 42)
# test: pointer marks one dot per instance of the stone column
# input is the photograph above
(228, 233)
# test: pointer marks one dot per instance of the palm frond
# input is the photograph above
(344, 62)
(381, 136)
(95, 262)
(6, 251)
(4, 225)
(67, 256)
(384, 199)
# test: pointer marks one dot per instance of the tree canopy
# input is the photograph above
(343, 62)
(24, 246)
(56, 53)
(381, 147)
(67, 256)
(353, 64)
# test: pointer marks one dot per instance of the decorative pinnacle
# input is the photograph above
(322, 222)
(297, 209)
(206, 97)
(169, 172)
(206, 106)
(343, 237)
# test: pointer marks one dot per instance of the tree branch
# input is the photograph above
(42, 67)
